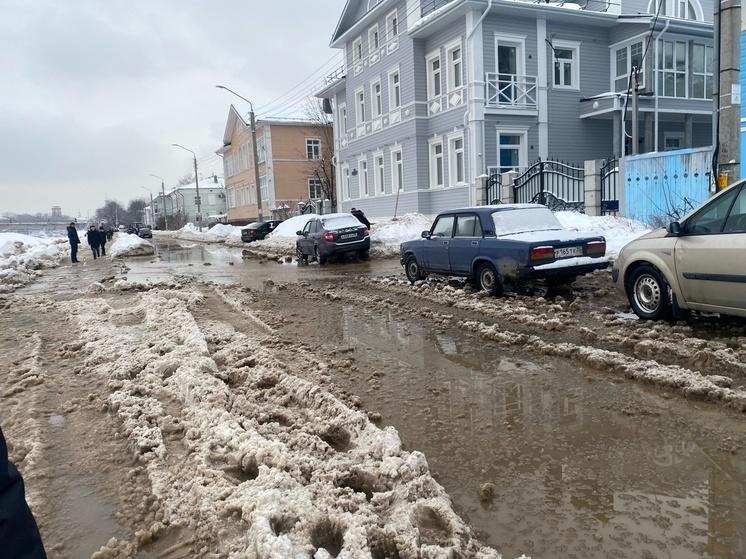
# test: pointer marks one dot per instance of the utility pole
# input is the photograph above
(196, 182)
(252, 122)
(727, 90)
(635, 113)
(165, 208)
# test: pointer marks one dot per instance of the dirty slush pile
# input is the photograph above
(251, 459)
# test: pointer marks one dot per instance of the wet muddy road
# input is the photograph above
(544, 452)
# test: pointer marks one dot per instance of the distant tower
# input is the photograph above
(56, 211)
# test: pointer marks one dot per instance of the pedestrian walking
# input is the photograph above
(93, 241)
(19, 534)
(72, 236)
(360, 217)
(102, 239)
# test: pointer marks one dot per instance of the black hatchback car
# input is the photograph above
(258, 231)
(332, 235)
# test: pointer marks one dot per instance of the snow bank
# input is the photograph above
(618, 230)
(130, 245)
(290, 227)
(22, 257)
(387, 234)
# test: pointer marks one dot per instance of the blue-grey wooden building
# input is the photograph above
(436, 93)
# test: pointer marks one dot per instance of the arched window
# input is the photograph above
(682, 9)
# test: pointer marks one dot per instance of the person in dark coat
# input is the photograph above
(102, 239)
(360, 217)
(72, 236)
(93, 241)
(19, 534)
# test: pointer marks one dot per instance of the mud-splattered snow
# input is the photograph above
(22, 258)
(130, 245)
(273, 463)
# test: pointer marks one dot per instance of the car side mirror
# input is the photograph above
(674, 228)
(426, 234)
(300, 233)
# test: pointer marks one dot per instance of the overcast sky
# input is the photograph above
(93, 93)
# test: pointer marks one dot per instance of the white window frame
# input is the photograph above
(431, 75)
(373, 46)
(522, 149)
(318, 182)
(359, 106)
(397, 169)
(433, 158)
(574, 47)
(450, 66)
(357, 50)
(393, 105)
(640, 39)
(376, 99)
(663, 71)
(707, 75)
(345, 170)
(390, 31)
(342, 110)
(453, 153)
(672, 8)
(673, 135)
(315, 145)
(364, 177)
(379, 173)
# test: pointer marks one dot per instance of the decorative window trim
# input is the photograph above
(522, 149)
(397, 182)
(363, 173)
(453, 137)
(345, 181)
(390, 34)
(359, 118)
(379, 179)
(318, 182)
(310, 143)
(373, 31)
(450, 74)
(432, 159)
(672, 8)
(390, 74)
(519, 40)
(430, 74)
(376, 99)
(573, 46)
(357, 42)
(342, 109)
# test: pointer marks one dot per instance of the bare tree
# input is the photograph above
(324, 170)
(186, 179)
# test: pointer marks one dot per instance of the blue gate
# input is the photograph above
(663, 187)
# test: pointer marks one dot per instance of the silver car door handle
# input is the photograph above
(475, 243)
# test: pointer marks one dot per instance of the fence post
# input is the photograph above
(507, 195)
(481, 193)
(592, 188)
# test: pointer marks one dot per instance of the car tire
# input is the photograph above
(489, 280)
(363, 254)
(301, 256)
(317, 254)
(648, 293)
(413, 270)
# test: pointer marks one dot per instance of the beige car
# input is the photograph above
(697, 264)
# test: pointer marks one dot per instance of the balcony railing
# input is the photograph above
(429, 6)
(510, 91)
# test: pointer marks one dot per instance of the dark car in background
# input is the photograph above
(500, 246)
(145, 232)
(134, 228)
(258, 231)
(332, 235)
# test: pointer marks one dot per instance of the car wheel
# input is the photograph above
(301, 256)
(412, 269)
(317, 254)
(489, 281)
(648, 295)
(363, 254)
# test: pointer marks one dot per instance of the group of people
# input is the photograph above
(96, 236)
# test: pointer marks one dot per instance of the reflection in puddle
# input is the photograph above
(583, 467)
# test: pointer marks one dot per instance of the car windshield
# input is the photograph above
(340, 222)
(525, 220)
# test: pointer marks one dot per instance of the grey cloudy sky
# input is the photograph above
(95, 92)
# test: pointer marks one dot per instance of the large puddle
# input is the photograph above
(221, 264)
(583, 464)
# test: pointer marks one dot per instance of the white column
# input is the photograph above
(592, 187)
(542, 100)
(475, 95)
(506, 187)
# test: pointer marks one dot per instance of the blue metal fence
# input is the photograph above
(663, 187)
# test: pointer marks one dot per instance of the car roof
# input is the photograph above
(493, 208)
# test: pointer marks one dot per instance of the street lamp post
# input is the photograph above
(254, 149)
(196, 184)
(163, 193)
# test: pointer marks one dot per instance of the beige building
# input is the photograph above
(292, 155)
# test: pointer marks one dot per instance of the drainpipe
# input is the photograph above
(480, 20)
(655, 76)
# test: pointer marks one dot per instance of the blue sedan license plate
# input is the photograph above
(564, 252)
(348, 236)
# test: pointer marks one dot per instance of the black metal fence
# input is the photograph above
(609, 179)
(556, 184)
(492, 189)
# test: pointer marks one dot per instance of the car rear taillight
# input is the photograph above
(366, 232)
(542, 253)
(595, 248)
(328, 236)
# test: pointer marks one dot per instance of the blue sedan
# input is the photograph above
(499, 246)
